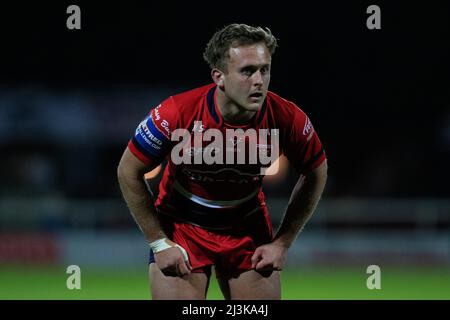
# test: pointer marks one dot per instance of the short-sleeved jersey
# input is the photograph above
(217, 194)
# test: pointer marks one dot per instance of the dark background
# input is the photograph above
(379, 99)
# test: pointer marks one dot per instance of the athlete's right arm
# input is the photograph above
(146, 150)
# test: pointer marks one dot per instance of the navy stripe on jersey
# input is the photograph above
(149, 140)
(211, 218)
(314, 158)
(262, 112)
(211, 104)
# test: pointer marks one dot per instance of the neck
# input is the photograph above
(230, 111)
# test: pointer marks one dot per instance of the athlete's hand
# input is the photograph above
(173, 261)
(269, 257)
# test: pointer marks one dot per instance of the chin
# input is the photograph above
(253, 106)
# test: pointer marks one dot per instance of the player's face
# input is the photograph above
(247, 78)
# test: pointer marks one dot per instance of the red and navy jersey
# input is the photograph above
(210, 194)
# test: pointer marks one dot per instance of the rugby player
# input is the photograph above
(213, 213)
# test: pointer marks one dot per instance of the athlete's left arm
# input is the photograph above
(303, 202)
(304, 198)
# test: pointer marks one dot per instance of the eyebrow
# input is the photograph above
(255, 66)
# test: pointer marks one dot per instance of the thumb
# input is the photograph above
(183, 252)
(256, 257)
(185, 257)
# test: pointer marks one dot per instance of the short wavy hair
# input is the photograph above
(233, 35)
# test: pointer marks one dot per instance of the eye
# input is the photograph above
(247, 72)
(265, 70)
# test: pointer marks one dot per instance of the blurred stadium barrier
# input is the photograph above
(342, 232)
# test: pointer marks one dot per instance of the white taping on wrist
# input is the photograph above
(162, 244)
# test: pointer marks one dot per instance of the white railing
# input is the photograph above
(419, 213)
(347, 231)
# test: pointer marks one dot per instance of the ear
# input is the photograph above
(217, 77)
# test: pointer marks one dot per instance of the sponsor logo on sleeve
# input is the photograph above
(157, 116)
(146, 134)
(161, 124)
(308, 127)
(150, 137)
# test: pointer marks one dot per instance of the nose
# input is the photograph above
(258, 78)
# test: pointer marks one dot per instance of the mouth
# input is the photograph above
(256, 95)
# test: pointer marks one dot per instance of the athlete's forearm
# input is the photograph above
(303, 202)
(140, 204)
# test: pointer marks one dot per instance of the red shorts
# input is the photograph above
(229, 251)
